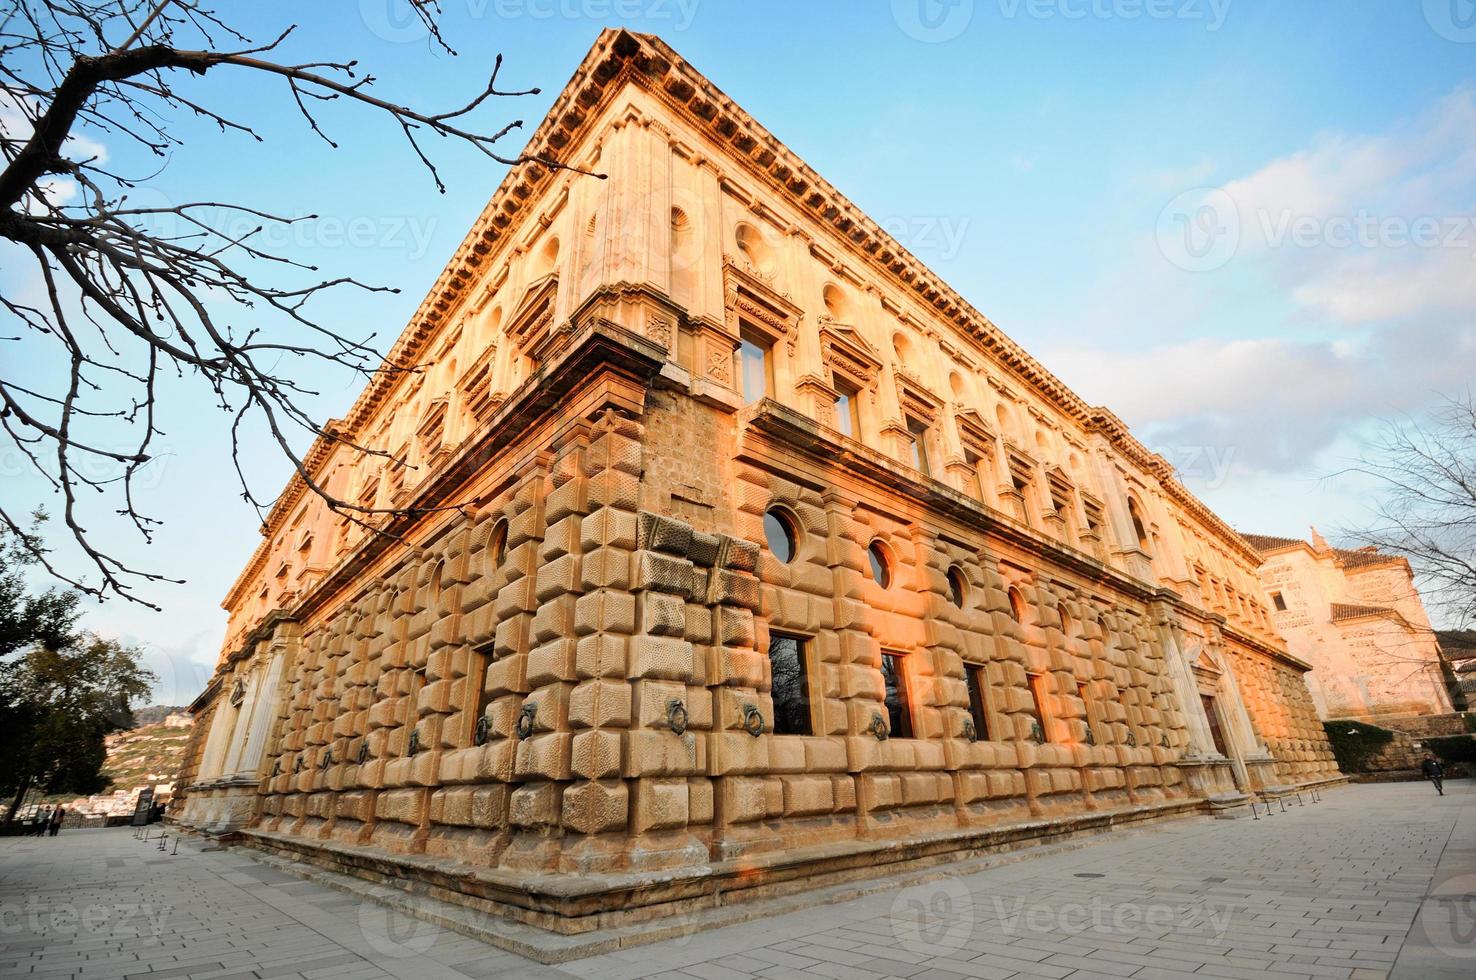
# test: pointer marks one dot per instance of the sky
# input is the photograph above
(1248, 228)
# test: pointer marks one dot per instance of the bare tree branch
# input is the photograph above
(127, 302)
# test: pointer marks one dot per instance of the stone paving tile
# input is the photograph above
(1370, 884)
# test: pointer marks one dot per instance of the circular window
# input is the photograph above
(779, 534)
(1017, 605)
(497, 546)
(958, 587)
(881, 565)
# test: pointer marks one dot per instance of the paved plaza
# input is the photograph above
(1374, 881)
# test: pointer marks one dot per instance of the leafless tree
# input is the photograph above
(1426, 509)
(128, 295)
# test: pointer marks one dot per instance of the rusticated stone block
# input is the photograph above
(596, 807)
(595, 754)
(659, 533)
(600, 655)
(659, 804)
(536, 805)
(605, 610)
(608, 527)
(401, 806)
(599, 704)
(660, 614)
(663, 573)
(661, 657)
(545, 756)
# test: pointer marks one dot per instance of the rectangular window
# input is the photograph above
(756, 357)
(899, 710)
(1086, 705)
(478, 660)
(974, 482)
(789, 685)
(847, 409)
(1037, 704)
(1278, 602)
(978, 683)
(412, 705)
(917, 438)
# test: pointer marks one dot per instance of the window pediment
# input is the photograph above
(530, 325)
(917, 401)
(847, 353)
(750, 299)
(975, 433)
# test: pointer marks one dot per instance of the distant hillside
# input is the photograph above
(153, 714)
(146, 755)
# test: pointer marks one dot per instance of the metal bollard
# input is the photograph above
(176, 846)
(162, 837)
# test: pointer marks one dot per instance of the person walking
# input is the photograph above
(40, 821)
(57, 816)
(1432, 770)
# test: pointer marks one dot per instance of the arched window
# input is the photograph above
(881, 564)
(1140, 529)
(497, 547)
(958, 586)
(1017, 605)
(437, 579)
(1066, 622)
(780, 534)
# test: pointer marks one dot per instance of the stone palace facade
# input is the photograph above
(1356, 616)
(750, 554)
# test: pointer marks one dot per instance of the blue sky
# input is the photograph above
(1245, 227)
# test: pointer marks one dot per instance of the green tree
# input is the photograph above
(26, 620)
(57, 706)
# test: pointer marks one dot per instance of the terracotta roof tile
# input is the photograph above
(1267, 542)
